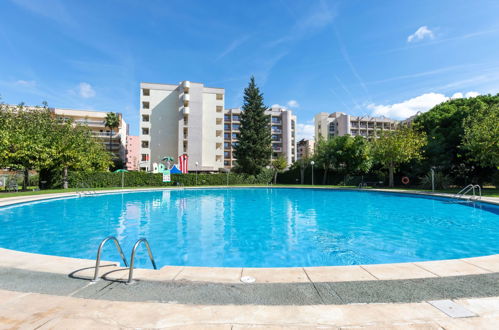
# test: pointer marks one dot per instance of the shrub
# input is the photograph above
(442, 181)
(142, 179)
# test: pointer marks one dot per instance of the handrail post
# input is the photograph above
(99, 252)
(132, 258)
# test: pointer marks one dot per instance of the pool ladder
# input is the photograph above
(120, 250)
(470, 188)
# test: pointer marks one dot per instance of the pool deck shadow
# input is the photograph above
(206, 293)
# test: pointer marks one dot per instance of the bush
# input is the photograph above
(442, 181)
(142, 179)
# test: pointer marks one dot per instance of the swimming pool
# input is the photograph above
(256, 227)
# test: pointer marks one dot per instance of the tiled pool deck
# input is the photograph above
(54, 292)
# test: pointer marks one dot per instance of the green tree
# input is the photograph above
(76, 149)
(279, 164)
(481, 136)
(394, 148)
(343, 154)
(254, 149)
(444, 126)
(112, 122)
(26, 145)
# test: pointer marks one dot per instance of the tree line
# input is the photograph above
(459, 139)
(32, 138)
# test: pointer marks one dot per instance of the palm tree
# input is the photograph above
(112, 122)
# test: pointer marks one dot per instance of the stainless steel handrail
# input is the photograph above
(467, 189)
(99, 252)
(132, 258)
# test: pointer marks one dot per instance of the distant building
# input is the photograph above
(282, 126)
(132, 153)
(96, 121)
(305, 149)
(186, 118)
(339, 124)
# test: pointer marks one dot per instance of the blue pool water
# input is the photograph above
(255, 227)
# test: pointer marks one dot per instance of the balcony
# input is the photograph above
(106, 134)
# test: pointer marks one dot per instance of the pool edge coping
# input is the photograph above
(393, 271)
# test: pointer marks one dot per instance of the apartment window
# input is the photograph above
(146, 92)
(145, 118)
(275, 137)
(185, 146)
(227, 127)
(235, 136)
(145, 105)
(236, 126)
(235, 144)
(219, 121)
(227, 117)
(220, 96)
(227, 136)
(226, 145)
(186, 133)
(276, 119)
(220, 108)
(186, 119)
(226, 163)
(218, 158)
(275, 128)
(145, 131)
(143, 169)
(226, 154)
(145, 144)
(145, 157)
(235, 117)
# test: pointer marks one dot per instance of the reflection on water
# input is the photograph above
(255, 227)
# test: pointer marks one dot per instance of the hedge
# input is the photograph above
(141, 179)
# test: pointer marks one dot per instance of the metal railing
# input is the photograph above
(132, 258)
(99, 253)
(470, 188)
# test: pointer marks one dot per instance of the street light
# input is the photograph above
(433, 178)
(312, 163)
(197, 164)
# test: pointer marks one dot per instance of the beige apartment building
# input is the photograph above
(339, 124)
(96, 121)
(282, 126)
(185, 118)
(305, 149)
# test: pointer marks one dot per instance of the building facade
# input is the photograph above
(132, 153)
(305, 149)
(339, 124)
(96, 121)
(283, 134)
(181, 119)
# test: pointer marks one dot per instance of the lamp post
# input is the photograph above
(312, 163)
(197, 164)
(433, 178)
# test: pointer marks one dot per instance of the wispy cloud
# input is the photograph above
(293, 104)
(233, 46)
(25, 83)
(422, 33)
(51, 9)
(85, 90)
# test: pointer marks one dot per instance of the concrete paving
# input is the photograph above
(317, 293)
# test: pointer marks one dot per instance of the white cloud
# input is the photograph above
(412, 106)
(305, 131)
(471, 94)
(277, 106)
(27, 83)
(293, 104)
(86, 90)
(420, 34)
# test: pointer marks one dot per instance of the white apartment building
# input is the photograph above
(283, 129)
(96, 121)
(305, 149)
(181, 119)
(339, 124)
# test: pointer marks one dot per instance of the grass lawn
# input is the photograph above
(488, 192)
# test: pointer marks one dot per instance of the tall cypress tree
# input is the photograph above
(255, 148)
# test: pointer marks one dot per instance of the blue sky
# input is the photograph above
(362, 57)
